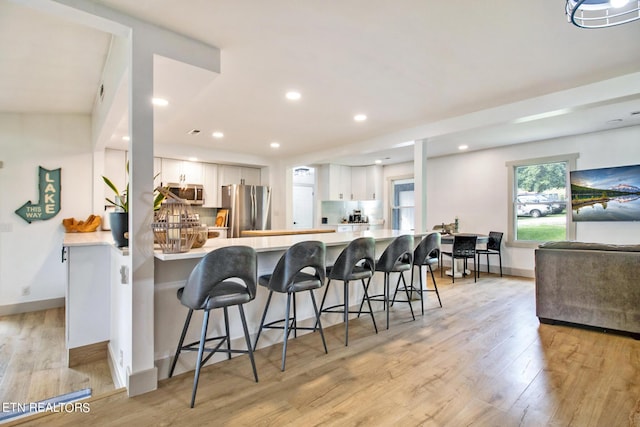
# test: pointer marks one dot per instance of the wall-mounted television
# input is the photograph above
(607, 194)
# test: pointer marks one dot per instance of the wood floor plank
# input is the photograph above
(483, 359)
(33, 360)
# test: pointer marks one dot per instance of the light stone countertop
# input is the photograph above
(260, 244)
(277, 243)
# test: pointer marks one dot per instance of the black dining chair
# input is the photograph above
(493, 248)
(224, 277)
(355, 262)
(464, 247)
(289, 278)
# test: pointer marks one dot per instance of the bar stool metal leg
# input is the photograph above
(203, 338)
(264, 315)
(182, 336)
(248, 341)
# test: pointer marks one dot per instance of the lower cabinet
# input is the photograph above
(87, 307)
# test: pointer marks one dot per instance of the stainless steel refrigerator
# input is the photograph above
(249, 207)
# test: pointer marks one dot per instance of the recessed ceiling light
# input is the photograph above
(612, 121)
(293, 95)
(160, 102)
(378, 161)
(360, 117)
(194, 131)
(193, 159)
(462, 147)
(217, 134)
(126, 138)
(275, 145)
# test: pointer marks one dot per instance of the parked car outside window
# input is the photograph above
(529, 206)
(557, 206)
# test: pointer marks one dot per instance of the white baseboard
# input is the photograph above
(26, 307)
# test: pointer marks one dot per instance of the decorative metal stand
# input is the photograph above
(176, 225)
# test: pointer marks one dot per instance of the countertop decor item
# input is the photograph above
(121, 199)
(176, 227)
(119, 219)
(72, 225)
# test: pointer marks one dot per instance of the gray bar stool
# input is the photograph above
(288, 278)
(209, 286)
(427, 253)
(396, 258)
(355, 262)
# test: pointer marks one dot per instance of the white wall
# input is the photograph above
(473, 186)
(30, 254)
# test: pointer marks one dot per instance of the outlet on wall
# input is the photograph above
(26, 291)
(121, 361)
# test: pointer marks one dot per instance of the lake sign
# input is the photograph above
(49, 204)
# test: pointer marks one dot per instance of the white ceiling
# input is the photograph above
(453, 72)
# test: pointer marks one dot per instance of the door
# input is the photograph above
(302, 206)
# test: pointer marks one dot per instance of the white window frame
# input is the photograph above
(391, 182)
(512, 190)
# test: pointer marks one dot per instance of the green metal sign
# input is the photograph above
(49, 204)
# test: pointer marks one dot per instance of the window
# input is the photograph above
(402, 208)
(539, 209)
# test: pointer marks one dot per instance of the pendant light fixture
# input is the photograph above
(602, 13)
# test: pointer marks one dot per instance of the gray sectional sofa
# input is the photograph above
(589, 284)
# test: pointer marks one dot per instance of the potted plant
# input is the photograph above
(119, 219)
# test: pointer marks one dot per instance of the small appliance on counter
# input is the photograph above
(356, 217)
(106, 224)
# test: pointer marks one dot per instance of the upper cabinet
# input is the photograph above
(228, 175)
(210, 185)
(335, 182)
(366, 182)
(182, 171)
(338, 182)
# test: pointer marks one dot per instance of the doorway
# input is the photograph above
(303, 191)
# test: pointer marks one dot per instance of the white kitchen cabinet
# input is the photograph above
(87, 308)
(251, 176)
(366, 182)
(211, 187)
(229, 174)
(334, 182)
(182, 171)
(359, 183)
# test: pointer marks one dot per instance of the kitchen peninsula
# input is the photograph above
(172, 270)
(170, 274)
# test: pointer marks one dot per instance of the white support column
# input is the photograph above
(420, 183)
(143, 376)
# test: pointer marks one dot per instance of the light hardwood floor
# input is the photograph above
(483, 359)
(33, 360)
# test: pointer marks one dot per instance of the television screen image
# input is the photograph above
(607, 194)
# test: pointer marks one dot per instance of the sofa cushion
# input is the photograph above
(590, 246)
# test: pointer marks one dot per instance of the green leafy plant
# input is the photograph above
(121, 199)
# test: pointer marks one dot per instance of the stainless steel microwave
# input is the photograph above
(192, 193)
